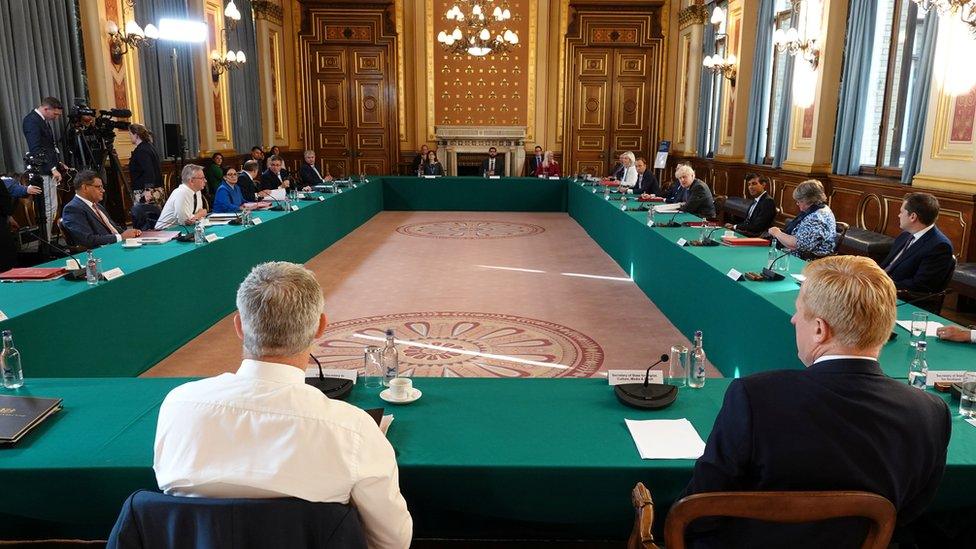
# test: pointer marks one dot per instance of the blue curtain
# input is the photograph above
(163, 101)
(244, 83)
(919, 102)
(782, 145)
(705, 91)
(854, 86)
(762, 66)
(40, 55)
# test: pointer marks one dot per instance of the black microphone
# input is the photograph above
(769, 274)
(73, 274)
(338, 388)
(670, 222)
(707, 239)
(647, 374)
(117, 113)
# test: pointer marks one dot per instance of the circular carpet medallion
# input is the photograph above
(470, 230)
(458, 344)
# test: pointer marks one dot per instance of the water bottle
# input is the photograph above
(918, 370)
(13, 374)
(696, 373)
(199, 236)
(606, 192)
(771, 255)
(391, 363)
(91, 269)
(650, 217)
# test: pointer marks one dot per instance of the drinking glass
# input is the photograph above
(93, 272)
(678, 366)
(373, 367)
(782, 266)
(920, 322)
(967, 395)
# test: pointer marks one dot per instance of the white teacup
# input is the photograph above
(729, 233)
(401, 388)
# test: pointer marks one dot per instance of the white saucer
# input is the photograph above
(135, 244)
(386, 395)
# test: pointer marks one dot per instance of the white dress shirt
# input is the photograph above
(262, 432)
(101, 215)
(630, 177)
(179, 207)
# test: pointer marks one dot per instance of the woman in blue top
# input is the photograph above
(229, 197)
(812, 233)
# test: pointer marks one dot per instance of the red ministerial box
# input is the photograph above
(33, 273)
(743, 241)
(609, 183)
(651, 199)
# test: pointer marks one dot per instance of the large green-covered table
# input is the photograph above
(489, 456)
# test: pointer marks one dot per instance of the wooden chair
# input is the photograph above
(783, 507)
(72, 246)
(642, 537)
(720, 201)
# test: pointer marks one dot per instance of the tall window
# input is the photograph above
(894, 61)
(776, 85)
(715, 100)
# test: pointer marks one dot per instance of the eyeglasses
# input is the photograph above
(100, 186)
(231, 174)
(198, 177)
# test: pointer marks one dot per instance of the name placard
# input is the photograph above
(321, 199)
(332, 373)
(3, 316)
(112, 274)
(430, 177)
(211, 237)
(619, 377)
(734, 275)
(301, 195)
(682, 242)
(944, 376)
(294, 208)
(256, 220)
(556, 177)
(494, 177)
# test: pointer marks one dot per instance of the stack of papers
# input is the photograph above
(667, 208)
(666, 439)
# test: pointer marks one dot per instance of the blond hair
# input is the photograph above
(684, 169)
(854, 296)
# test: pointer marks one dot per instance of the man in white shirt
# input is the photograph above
(629, 178)
(262, 432)
(185, 203)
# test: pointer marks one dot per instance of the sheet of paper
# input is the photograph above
(930, 327)
(619, 377)
(971, 421)
(667, 208)
(279, 194)
(666, 438)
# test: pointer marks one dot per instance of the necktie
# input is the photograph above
(640, 177)
(491, 164)
(104, 219)
(752, 208)
(194, 203)
(900, 253)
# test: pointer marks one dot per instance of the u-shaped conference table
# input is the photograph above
(477, 457)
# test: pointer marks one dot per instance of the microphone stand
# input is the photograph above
(646, 395)
(78, 273)
(707, 240)
(670, 222)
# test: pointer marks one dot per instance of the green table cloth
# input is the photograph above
(543, 455)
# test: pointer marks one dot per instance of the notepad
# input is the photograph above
(666, 438)
(667, 208)
(931, 328)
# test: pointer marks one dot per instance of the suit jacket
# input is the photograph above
(700, 201)
(647, 183)
(676, 193)
(248, 189)
(499, 165)
(534, 163)
(417, 163)
(40, 139)
(838, 425)
(433, 169)
(762, 218)
(85, 227)
(8, 253)
(144, 167)
(924, 266)
(270, 181)
(309, 176)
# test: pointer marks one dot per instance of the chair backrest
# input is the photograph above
(720, 201)
(784, 507)
(841, 228)
(642, 537)
(150, 520)
(68, 239)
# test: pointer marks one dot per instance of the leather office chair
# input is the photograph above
(150, 520)
(719, 202)
(779, 507)
(926, 300)
(72, 246)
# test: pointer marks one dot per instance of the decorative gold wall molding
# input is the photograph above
(401, 46)
(269, 11)
(944, 183)
(692, 15)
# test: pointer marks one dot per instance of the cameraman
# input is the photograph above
(40, 143)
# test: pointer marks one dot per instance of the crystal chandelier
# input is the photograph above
(965, 8)
(797, 45)
(479, 28)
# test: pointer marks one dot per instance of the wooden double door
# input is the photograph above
(350, 91)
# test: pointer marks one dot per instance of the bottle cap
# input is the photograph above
(922, 345)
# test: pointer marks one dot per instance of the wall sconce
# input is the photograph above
(791, 42)
(219, 64)
(232, 14)
(130, 36)
(724, 66)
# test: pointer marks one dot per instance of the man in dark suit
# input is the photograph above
(85, 220)
(247, 182)
(309, 174)
(494, 164)
(275, 177)
(40, 142)
(699, 199)
(418, 160)
(762, 210)
(8, 251)
(839, 424)
(647, 184)
(920, 260)
(535, 161)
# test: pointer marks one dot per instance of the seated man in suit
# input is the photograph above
(646, 185)
(675, 192)
(185, 205)
(494, 164)
(86, 221)
(275, 177)
(699, 199)
(309, 174)
(246, 182)
(921, 256)
(257, 154)
(417, 166)
(262, 432)
(762, 211)
(839, 424)
(536, 160)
